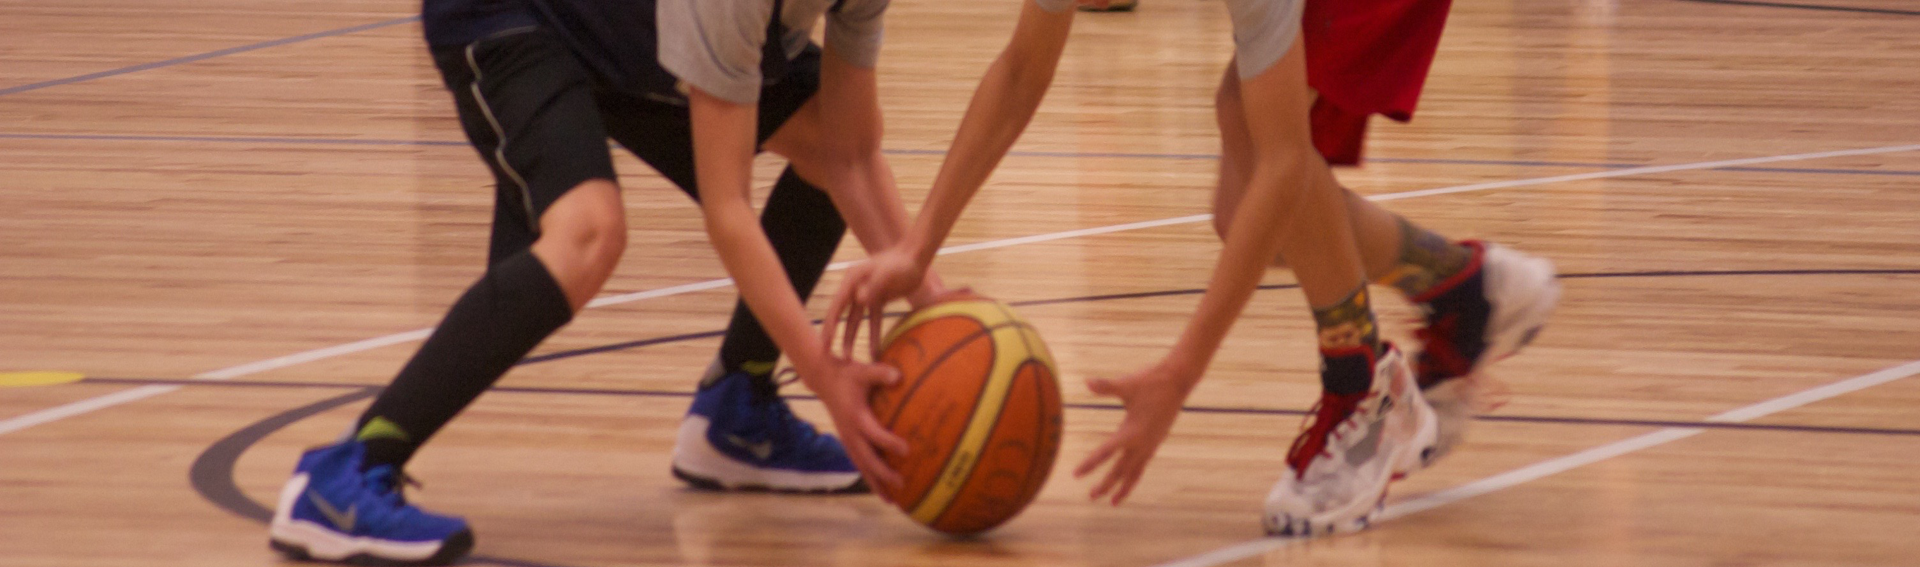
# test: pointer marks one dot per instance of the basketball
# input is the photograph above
(979, 404)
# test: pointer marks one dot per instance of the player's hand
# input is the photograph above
(844, 387)
(1152, 399)
(869, 285)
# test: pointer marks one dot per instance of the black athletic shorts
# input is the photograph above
(540, 120)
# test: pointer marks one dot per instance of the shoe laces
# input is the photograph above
(1321, 425)
(388, 482)
(785, 425)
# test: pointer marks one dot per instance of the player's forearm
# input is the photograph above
(856, 172)
(848, 161)
(750, 259)
(1002, 106)
(1253, 237)
(723, 159)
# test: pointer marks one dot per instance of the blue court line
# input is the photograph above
(1821, 170)
(230, 140)
(1855, 9)
(369, 389)
(206, 56)
(376, 142)
(565, 354)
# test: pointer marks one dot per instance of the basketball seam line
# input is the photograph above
(985, 427)
(947, 463)
(911, 390)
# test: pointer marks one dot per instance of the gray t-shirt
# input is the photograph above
(716, 44)
(1262, 29)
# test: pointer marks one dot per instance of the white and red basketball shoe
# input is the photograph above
(1339, 467)
(1485, 313)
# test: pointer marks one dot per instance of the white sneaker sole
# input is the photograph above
(307, 540)
(697, 462)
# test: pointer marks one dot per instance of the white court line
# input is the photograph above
(1558, 465)
(77, 408)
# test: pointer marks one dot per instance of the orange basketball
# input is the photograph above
(979, 404)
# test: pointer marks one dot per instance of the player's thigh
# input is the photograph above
(661, 133)
(527, 106)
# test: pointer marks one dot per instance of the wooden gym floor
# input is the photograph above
(236, 217)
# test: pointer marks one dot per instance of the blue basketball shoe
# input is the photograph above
(739, 435)
(332, 511)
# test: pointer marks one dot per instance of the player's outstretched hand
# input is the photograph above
(1152, 399)
(888, 275)
(844, 388)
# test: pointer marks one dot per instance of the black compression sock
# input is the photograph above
(805, 230)
(513, 307)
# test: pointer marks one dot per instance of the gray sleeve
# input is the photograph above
(1055, 6)
(1263, 30)
(854, 31)
(715, 45)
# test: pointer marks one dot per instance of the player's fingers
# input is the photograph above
(884, 479)
(1103, 387)
(879, 375)
(1132, 466)
(1099, 455)
(876, 317)
(1106, 484)
(830, 324)
(853, 328)
(884, 439)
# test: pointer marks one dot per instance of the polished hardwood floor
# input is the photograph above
(233, 216)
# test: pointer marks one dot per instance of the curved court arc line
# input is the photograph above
(94, 404)
(212, 472)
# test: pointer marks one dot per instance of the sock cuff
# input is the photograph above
(523, 282)
(1453, 281)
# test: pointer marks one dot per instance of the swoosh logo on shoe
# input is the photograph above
(761, 451)
(343, 522)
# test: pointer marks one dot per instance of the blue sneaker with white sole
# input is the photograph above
(333, 511)
(740, 435)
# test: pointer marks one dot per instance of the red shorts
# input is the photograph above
(1366, 57)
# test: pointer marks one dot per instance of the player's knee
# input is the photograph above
(1222, 220)
(1291, 168)
(600, 238)
(588, 226)
(1226, 102)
